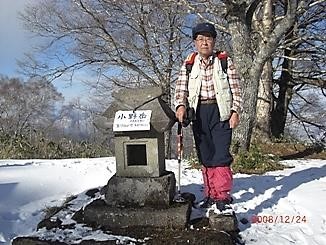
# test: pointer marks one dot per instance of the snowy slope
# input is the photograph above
(282, 207)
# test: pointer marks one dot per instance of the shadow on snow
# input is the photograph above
(280, 184)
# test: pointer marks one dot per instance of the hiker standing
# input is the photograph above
(215, 96)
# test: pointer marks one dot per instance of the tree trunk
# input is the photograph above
(262, 131)
(250, 74)
(242, 135)
(264, 103)
(284, 97)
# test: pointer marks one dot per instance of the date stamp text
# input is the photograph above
(273, 219)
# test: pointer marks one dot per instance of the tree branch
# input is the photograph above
(250, 12)
(301, 119)
(194, 10)
(268, 46)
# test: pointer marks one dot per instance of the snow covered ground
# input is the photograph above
(283, 207)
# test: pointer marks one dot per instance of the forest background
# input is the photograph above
(278, 48)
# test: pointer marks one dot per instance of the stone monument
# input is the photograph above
(141, 183)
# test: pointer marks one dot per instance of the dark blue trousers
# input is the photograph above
(212, 137)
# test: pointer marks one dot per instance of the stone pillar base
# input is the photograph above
(155, 192)
(98, 214)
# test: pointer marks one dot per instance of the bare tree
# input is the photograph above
(257, 30)
(132, 43)
(26, 106)
(127, 43)
(264, 103)
(301, 65)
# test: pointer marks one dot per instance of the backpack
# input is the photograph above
(221, 55)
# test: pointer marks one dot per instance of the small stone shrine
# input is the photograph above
(141, 183)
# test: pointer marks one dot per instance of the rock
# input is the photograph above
(91, 193)
(222, 222)
(34, 241)
(49, 223)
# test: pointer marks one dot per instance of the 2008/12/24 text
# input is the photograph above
(272, 219)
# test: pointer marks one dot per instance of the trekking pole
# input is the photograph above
(179, 197)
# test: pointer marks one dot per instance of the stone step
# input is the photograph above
(98, 214)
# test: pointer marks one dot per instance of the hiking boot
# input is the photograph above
(207, 202)
(224, 206)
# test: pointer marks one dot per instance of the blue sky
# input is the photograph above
(14, 41)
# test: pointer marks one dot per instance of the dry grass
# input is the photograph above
(266, 157)
(285, 151)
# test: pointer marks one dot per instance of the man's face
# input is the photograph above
(204, 44)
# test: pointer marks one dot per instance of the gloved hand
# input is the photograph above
(185, 115)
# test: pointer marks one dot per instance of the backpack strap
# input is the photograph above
(223, 57)
(190, 62)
